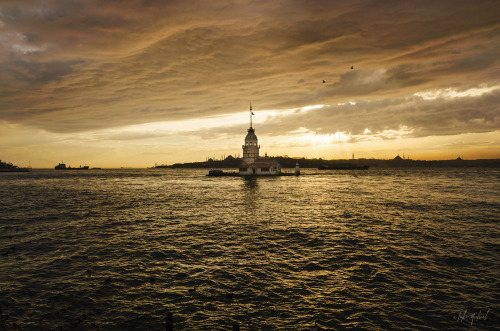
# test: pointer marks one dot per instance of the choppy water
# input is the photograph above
(375, 249)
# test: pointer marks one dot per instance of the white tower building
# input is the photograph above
(251, 147)
(252, 164)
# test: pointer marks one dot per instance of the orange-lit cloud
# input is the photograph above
(182, 71)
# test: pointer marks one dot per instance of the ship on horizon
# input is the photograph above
(62, 166)
(9, 167)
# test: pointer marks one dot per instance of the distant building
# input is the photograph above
(252, 163)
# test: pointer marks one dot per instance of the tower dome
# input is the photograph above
(251, 138)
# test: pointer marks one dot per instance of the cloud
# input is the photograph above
(468, 111)
(83, 66)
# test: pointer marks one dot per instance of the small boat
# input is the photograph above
(9, 167)
(219, 172)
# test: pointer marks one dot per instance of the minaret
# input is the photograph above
(251, 147)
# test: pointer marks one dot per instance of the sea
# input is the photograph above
(173, 249)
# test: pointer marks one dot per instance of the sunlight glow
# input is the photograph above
(352, 103)
(450, 93)
(224, 120)
(307, 108)
(306, 137)
(403, 131)
(311, 138)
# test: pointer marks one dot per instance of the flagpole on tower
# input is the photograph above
(251, 113)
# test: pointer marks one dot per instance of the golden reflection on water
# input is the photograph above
(381, 249)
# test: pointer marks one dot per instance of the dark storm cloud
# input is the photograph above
(27, 73)
(83, 65)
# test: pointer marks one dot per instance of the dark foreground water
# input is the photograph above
(376, 249)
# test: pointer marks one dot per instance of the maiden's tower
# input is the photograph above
(252, 164)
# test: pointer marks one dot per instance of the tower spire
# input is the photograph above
(251, 113)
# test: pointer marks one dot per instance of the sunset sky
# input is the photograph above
(112, 83)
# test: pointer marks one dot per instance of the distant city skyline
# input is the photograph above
(144, 82)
